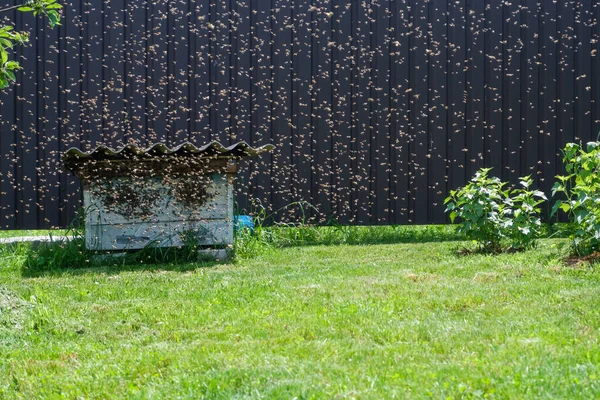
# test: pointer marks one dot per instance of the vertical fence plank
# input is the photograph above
(115, 113)
(456, 93)
(30, 106)
(322, 70)
(137, 59)
(438, 114)
(381, 123)
(493, 88)
(302, 104)
(361, 114)
(583, 72)
(201, 81)
(513, 47)
(48, 143)
(595, 61)
(282, 105)
(419, 110)
(261, 111)
(241, 98)
(93, 38)
(475, 82)
(158, 79)
(548, 92)
(400, 124)
(529, 89)
(221, 71)
(566, 71)
(179, 110)
(72, 105)
(343, 109)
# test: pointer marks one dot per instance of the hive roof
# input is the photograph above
(74, 157)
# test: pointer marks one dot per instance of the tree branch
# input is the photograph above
(7, 9)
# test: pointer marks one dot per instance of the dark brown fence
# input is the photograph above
(377, 107)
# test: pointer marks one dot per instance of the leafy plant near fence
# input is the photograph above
(496, 217)
(9, 38)
(581, 190)
(525, 224)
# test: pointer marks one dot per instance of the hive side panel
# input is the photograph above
(170, 234)
(153, 201)
(170, 219)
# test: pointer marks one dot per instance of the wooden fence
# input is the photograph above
(377, 107)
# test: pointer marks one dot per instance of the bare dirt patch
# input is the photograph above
(583, 261)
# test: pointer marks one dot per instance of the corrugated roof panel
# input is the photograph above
(74, 156)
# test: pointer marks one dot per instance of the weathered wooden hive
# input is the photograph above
(158, 196)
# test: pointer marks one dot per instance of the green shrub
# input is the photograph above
(581, 191)
(525, 224)
(496, 217)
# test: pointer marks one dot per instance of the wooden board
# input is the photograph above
(158, 203)
(164, 234)
(125, 215)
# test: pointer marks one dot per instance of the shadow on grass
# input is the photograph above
(96, 269)
(72, 258)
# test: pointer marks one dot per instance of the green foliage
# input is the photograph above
(525, 225)
(61, 254)
(69, 253)
(494, 216)
(265, 239)
(581, 190)
(9, 38)
(262, 239)
(47, 8)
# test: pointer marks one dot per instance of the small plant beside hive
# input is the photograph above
(159, 196)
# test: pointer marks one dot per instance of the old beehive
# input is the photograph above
(158, 196)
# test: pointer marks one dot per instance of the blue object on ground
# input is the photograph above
(244, 222)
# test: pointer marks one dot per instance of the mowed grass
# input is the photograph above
(40, 232)
(406, 320)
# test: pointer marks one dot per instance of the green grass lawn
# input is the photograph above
(41, 232)
(349, 321)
